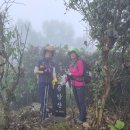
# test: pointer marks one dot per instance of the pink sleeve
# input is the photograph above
(79, 70)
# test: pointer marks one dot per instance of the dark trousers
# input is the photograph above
(79, 93)
(45, 91)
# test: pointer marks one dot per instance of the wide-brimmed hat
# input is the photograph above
(49, 48)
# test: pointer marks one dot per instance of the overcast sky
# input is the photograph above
(37, 11)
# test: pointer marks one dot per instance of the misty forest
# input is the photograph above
(81, 82)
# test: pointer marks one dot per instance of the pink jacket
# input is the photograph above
(77, 71)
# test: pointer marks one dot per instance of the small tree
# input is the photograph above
(108, 20)
(11, 55)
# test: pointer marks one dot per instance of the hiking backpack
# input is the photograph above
(86, 74)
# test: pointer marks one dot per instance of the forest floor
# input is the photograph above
(28, 118)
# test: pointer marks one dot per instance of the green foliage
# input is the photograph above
(108, 17)
(103, 15)
(12, 51)
(112, 127)
(119, 125)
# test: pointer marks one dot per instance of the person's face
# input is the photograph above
(73, 55)
(48, 54)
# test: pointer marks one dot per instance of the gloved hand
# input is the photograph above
(69, 76)
(47, 71)
(54, 82)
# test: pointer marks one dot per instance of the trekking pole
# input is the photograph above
(71, 100)
(44, 112)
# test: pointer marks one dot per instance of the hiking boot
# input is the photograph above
(79, 122)
(46, 120)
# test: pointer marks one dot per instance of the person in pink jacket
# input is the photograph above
(75, 76)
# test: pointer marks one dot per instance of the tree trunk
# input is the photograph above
(106, 84)
(6, 115)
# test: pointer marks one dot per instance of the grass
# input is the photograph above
(61, 126)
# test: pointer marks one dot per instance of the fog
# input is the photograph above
(41, 10)
(39, 13)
